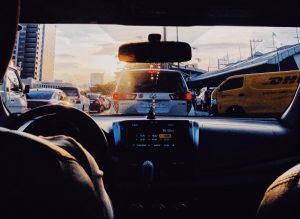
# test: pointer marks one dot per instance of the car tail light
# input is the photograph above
(185, 96)
(116, 96)
(153, 71)
(188, 96)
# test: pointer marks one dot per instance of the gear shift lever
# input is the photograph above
(148, 172)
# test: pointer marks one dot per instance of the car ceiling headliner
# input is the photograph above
(162, 12)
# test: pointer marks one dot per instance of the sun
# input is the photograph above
(109, 63)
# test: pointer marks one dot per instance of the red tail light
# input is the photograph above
(152, 71)
(188, 96)
(77, 100)
(116, 96)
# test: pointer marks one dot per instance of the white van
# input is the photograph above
(12, 91)
(138, 89)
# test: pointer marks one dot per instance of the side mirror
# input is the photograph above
(26, 89)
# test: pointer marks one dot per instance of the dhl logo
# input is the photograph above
(283, 80)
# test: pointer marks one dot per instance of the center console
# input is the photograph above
(153, 161)
(167, 146)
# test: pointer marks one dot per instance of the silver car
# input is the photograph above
(137, 90)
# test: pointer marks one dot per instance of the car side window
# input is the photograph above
(231, 84)
(13, 82)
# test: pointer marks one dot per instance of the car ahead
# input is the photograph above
(79, 101)
(96, 102)
(106, 102)
(138, 90)
(204, 98)
(46, 96)
(200, 100)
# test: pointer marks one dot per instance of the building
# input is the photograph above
(285, 58)
(34, 51)
(48, 53)
(96, 78)
(27, 53)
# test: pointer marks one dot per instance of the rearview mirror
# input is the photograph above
(155, 51)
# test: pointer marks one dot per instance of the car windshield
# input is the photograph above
(234, 71)
(40, 95)
(151, 81)
(71, 92)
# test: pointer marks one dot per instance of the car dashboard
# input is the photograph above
(181, 167)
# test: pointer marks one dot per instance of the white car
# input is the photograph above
(12, 92)
(46, 96)
(79, 101)
(138, 90)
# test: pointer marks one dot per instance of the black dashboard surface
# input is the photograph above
(228, 163)
(247, 146)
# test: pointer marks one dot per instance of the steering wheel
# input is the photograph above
(69, 121)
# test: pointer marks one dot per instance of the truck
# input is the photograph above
(266, 94)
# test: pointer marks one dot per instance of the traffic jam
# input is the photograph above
(135, 94)
(20, 98)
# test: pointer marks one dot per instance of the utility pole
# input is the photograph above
(165, 65)
(253, 45)
(240, 53)
(251, 50)
(177, 41)
(275, 48)
(165, 33)
(227, 58)
(297, 35)
(222, 62)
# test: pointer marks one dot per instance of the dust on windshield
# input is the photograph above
(234, 71)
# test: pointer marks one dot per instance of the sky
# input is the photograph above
(84, 49)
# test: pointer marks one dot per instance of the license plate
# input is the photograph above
(157, 105)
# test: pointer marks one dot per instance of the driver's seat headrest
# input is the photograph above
(41, 180)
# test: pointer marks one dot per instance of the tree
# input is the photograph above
(105, 89)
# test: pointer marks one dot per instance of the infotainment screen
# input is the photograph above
(152, 135)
